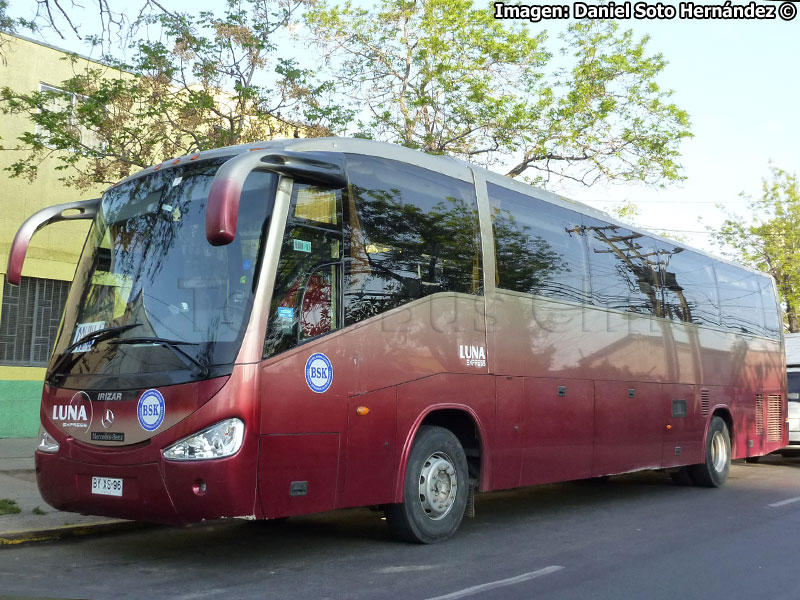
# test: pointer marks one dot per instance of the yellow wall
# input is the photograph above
(54, 251)
(24, 373)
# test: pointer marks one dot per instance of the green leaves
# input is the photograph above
(443, 76)
(446, 77)
(770, 239)
(209, 80)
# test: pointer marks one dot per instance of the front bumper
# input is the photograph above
(159, 492)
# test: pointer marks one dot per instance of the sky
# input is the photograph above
(738, 80)
(740, 83)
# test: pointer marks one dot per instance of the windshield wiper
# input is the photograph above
(92, 336)
(174, 345)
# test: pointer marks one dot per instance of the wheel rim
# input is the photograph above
(719, 452)
(438, 485)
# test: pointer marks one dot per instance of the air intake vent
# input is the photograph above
(705, 402)
(774, 418)
(759, 414)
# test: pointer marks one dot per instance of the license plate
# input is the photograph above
(107, 486)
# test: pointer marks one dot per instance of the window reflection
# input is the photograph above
(540, 250)
(624, 268)
(147, 262)
(538, 246)
(740, 296)
(689, 290)
(411, 232)
(304, 300)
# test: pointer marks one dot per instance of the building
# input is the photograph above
(30, 313)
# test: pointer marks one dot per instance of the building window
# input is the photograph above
(61, 100)
(29, 320)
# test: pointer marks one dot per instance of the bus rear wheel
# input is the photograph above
(435, 489)
(714, 471)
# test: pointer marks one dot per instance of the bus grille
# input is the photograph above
(759, 414)
(705, 402)
(774, 418)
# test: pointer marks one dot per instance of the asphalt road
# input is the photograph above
(636, 536)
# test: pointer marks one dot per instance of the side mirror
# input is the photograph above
(86, 209)
(222, 209)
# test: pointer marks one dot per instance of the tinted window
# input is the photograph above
(538, 246)
(148, 265)
(411, 233)
(689, 288)
(624, 268)
(794, 386)
(772, 312)
(740, 296)
(304, 301)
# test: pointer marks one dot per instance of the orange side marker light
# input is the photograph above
(362, 410)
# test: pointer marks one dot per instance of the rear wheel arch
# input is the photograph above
(724, 413)
(464, 424)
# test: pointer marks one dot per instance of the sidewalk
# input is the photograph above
(37, 520)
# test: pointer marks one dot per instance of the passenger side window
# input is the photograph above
(305, 297)
(740, 296)
(624, 268)
(773, 315)
(689, 291)
(411, 232)
(538, 246)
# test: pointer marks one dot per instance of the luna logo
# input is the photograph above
(77, 414)
(474, 356)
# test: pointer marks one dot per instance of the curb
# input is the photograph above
(33, 536)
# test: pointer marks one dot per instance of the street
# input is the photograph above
(635, 536)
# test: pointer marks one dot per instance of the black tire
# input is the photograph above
(714, 471)
(681, 476)
(427, 518)
(752, 459)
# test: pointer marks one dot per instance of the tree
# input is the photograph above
(212, 81)
(445, 77)
(6, 22)
(58, 16)
(626, 211)
(770, 241)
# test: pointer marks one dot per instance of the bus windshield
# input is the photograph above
(155, 301)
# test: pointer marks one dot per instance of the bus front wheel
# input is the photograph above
(714, 471)
(435, 489)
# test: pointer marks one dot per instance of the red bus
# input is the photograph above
(305, 325)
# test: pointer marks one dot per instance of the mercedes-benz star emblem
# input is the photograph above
(108, 419)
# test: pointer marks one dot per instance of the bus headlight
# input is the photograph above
(220, 440)
(47, 442)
